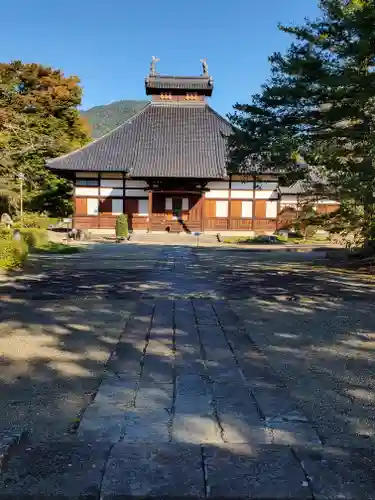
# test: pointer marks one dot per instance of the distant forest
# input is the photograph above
(105, 118)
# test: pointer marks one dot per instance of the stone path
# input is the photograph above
(189, 405)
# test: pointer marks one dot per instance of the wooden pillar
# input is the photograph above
(149, 226)
(254, 201)
(99, 191)
(278, 211)
(123, 193)
(74, 202)
(203, 211)
(229, 221)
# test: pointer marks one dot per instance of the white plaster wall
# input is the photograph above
(111, 191)
(271, 209)
(289, 199)
(216, 193)
(86, 191)
(265, 195)
(247, 209)
(222, 209)
(242, 194)
(185, 204)
(168, 204)
(92, 206)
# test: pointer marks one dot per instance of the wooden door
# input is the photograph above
(81, 206)
(105, 206)
(260, 209)
(210, 208)
(236, 209)
(131, 208)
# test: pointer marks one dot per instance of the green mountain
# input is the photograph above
(103, 119)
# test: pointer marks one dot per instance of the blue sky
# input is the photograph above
(109, 43)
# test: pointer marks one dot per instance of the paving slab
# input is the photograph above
(145, 471)
(247, 471)
(154, 397)
(339, 473)
(67, 469)
(142, 426)
(8, 439)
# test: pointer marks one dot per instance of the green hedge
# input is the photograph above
(32, 220)
(13, 254)
(34, 238)
(5, 233)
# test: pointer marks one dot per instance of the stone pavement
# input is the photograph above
(192, 401)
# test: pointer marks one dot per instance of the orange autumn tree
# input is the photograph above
(39, 119)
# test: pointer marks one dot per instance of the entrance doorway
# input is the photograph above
(177, 207)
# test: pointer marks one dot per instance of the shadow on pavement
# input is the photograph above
(61, 326)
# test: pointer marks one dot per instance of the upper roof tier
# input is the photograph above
(157, 84)
(173, 140)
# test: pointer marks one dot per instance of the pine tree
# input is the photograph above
(319, 105)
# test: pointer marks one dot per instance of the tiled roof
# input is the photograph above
(194, 83)
(162, 140)
(303, 185)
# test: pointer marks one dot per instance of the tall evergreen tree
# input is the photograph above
(319, 104)
(39, 119)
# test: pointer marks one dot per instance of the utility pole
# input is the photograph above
(21, 177)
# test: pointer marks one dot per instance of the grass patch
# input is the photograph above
(57, 248)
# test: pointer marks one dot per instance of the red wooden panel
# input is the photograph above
(88, 222)
(81, 206)
(107, 222)
(210, 208)
(215, 223)
(242, 224)
(260, 208)
(131, 206)
(236, 208)
(105, 206)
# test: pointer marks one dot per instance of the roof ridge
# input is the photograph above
(227, 122)
(200, 77)
(66, 155)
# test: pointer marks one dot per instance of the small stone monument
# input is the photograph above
(17, 235)
(6, 219)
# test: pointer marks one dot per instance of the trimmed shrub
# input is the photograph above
(32, 220)
(13, 254)
(122, 229)
(5, 233)
(34, 237)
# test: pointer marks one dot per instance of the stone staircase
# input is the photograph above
(164, 238)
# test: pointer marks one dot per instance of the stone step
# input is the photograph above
(75, 468)
(173, 238)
